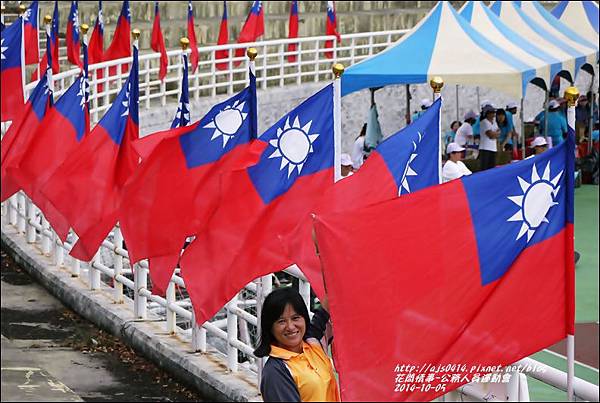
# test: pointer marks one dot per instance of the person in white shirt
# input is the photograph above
(464, 134)
(489, 132)
(454, 168)
(358, 148)
(346, 163)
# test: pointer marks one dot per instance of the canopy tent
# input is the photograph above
(580, 14)
(443, 43)
(514, 17)
(490, 25)
(542, 16)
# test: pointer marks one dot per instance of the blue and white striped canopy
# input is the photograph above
(580, 14)
(490, 25)
(445, 44)
(544, 34)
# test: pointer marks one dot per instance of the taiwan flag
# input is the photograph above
(73, 46)
(11, 71)
(260, 204)
(223, 40)
(157, 44)
(19, 134)
(120, 46)
(56, 138)
(405, 162)
(176, 186)
(30, 17)
(252, 29)
(192, 37)
(293, 29)
(96, 45)
(87, 187)
(50, 58)
(331, 27)
(182, 116)
(478, 271)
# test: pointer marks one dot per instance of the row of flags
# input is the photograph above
(449, 263)
(120, 47)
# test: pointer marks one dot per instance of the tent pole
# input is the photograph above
(407, 104)
(521, 114)
(457, 108)
(478, 100)
(546, 101)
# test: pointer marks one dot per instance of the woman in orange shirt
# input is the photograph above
(298, 369)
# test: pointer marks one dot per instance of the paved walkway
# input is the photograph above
(51, 354)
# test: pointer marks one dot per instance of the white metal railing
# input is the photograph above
(225, 76)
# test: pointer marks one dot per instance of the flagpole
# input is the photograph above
(252, 53)
(22, 10)
(436, 84)
(338, 70)
(571, 95)
(47, 22)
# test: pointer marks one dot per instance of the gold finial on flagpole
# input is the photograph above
(184, 42)
(436, 84)
(135, 33)
(47, 19)
(252, 53)
(22, 8)
(572, 95)
(84, 28)
(338, 70)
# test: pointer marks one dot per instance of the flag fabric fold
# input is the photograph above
(73, 44)
(96, 46)
(11, 71)
(19, 134)
(56, 138)
(223, 40)
(30, 17)
(176, 186)
(293, 30)
(260, 204)
(331, 27)
(458, 302)
(87, 187)
(405, 162)
(158, 43)
(192, 37)
(120, 46)
(253, 28)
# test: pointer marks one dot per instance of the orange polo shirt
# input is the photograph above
(312, 372)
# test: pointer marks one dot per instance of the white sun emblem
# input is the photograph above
(183, 114)
(2, 49)
(537, 199)
(27, 15)
(76, 21)
(126, 101)
(408, 171)
(83, 91)
(227, 122)
(293, 144)
(100, 19)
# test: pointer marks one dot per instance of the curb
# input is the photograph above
(206, 372)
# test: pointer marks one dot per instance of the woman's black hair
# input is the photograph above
(501, 111)
(363, 132)
(452, 124)
(272, 310)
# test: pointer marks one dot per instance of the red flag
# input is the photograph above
(73, 45)
(223, 40)
(451, 308)
(57, 136)
(87, 187)
(252, 29)
(260, 204)
(158, 43)
(11, 71)
(96, 45)
(176, 186)
(331, 27)
(51, 46)
(121, 43)
(293, 31)
(32, 52)
(192, 37)
(20, 133)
